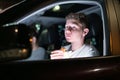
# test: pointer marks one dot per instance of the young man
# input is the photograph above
(76, 28)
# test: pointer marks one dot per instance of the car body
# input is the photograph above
(105, 23)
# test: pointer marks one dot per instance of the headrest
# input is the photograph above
(50, 36)
(44, 38)
(95, 23)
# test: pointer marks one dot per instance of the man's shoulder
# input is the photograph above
(89, 46)
(92, 49)
(67, 47)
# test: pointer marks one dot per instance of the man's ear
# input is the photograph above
(85, 31)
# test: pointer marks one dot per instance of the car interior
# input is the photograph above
(53, 21)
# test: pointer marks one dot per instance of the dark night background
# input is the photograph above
(6, 3)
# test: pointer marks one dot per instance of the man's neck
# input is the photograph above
(34, 47)
(75, 46)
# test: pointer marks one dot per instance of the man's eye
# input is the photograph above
(73, 28)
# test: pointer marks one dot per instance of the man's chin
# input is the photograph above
(68, 40)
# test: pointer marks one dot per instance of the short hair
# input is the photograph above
(80, 17)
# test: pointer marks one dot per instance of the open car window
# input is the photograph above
(52, 18)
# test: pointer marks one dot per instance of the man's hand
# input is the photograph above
(57, 54)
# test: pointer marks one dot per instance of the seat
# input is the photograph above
(95, 35)
(50, 39)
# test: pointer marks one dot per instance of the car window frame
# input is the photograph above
(76, 1)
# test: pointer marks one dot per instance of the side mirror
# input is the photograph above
(14, 42)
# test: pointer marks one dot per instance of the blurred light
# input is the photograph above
(16, 30)
(96, 70)
(30, 40)
(9, 24)
(24, 50)
(37, 26)
(56, 8)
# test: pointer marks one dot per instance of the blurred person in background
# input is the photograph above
(38, 53)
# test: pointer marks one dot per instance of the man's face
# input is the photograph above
(73, 31)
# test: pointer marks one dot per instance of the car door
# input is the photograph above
(95, 68)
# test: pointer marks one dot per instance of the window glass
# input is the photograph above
(53, 20)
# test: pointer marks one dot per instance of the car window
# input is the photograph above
(52, 18)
